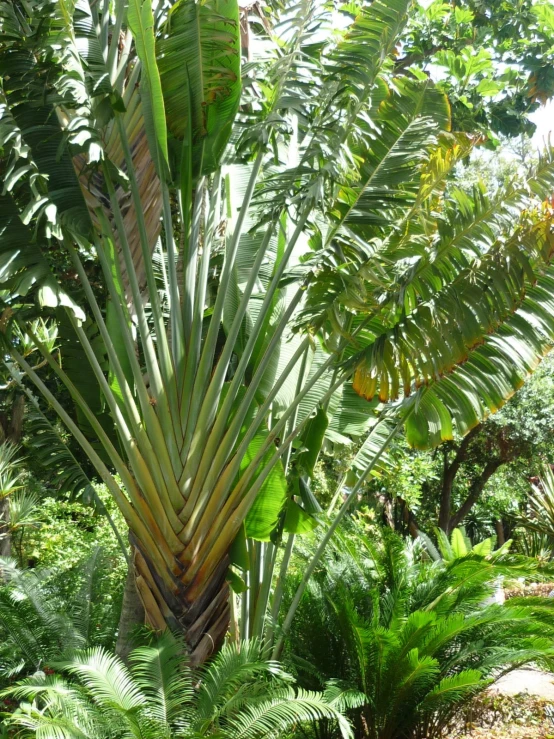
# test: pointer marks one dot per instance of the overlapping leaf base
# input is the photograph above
(204, 621)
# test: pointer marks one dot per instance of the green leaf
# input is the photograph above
(312, 440)
(463, 15)
(266, 509)
(238, 553)
(309, 501)
(484, 548)
(488, 88)
(458, 544)
(141, 23)
(297, 520)
(236, 583)
(199, 62)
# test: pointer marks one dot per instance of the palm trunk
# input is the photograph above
(203, 621)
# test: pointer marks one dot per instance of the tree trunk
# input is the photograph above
(475, 491)
(408, 518)
(202, 616)
(5, 538)
(132, 615)
(446, 499)
(15, 429)
(499, 528)
(449, 475)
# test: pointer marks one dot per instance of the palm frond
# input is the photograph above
(282, 711)
(159, 672)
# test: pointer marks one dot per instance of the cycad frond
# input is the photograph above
(61, 711)
(158, 698)
(230, 669)
(34, 627)
(158, 671)
(107, 677)
(416, 635)
(454, 689)
(281, 712)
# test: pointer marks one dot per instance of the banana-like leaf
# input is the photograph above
(24, 268)
(312, 441)
(409, 122)
(298, 520)
(141, 23)
(199, 63)
(264, 514)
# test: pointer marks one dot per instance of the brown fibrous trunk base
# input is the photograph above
(203, 623)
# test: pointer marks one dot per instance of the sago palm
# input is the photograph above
(538, 520)
(229, 214)
(238, 696)
(415, 635)
(38, 621)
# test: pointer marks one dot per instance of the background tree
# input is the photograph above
(494, 59)
(482, 480)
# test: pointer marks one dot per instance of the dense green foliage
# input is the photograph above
(418, 635)
(238, 695)
(511, 446)
(212, 269)
(235, 267)
(44, 612)
(494, 58)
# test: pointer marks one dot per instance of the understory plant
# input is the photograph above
(238, 695)
(41, 616)
(418, 636)
(10, 478)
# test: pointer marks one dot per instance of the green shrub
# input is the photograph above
(41, 615)
(414, 634)
(68, 532)
(159, 697)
